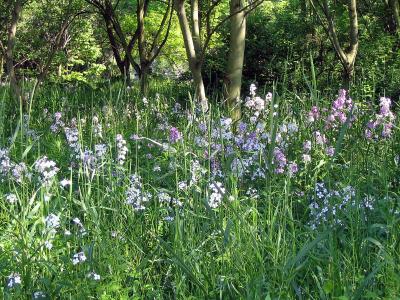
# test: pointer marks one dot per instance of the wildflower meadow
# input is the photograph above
(156, 199)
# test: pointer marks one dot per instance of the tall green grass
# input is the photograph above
(251, 247)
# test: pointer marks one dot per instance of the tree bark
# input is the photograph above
(144, 68)
(192, 56)
(347, 57)
(144, 80)
(15, 90)
(235, 58)
(394, 5)
(113, 44)
(1, 65)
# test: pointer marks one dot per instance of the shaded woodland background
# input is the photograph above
(94, 41)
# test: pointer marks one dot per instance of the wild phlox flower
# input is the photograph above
(65, 183)
(330, 151)
(97, 128)
(93, 276)
(19, 172)
(46, 169)
(48, 245)
(13, 280)
(320, 138)
(135, 195)
(39, 295)
(78, 258)
(340, 111)
(100, 150)
(217, 193)
(280, 160)
(165, 198)
(332, 206)
(122, 150)
(313, 115)
(197, 171)
(72, 136)
(52, 221)
(174, 135)
(292, 168)
(5, 162)
(58, 124)
(382, 125)
(11, 198)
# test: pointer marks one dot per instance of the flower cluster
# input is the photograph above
(306, 151)
(97, 128)
(196, 172)
(255, 104)
(88, 160)
(340, 111)
(93, 276)
(58, 124)
(122, 150)
(100, 150)
(135, 195)
(46, 170)
(382, 125)
(217, 193)
(5, 162)
(39, 295)
(313, 114)
(280, 161)
(78, 258)
(72, 136)
(52, 221)
(165, 198)
(333, 205)
(174, 135)
(13, 280)
(17, 171)
(11, 198)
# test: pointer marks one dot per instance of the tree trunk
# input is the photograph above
(200, 94)
(1, 65)
(127, 74)
(144, 66)
(194, 64)
(114, 46)
(144, 80)
(394, 5)
(235, 58)
(15, 90)
(351, 53)
(347, 57)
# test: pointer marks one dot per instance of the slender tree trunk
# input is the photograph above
(199, 86)
(144, 65)
(235, 58)
(15, 90)
(347, 57)
(113, 43)
(144, 80)
(351, 53)
(125, 45)
(194, 6)
(1, 65)
(194, 64)
(127, 74)
(394, 5)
